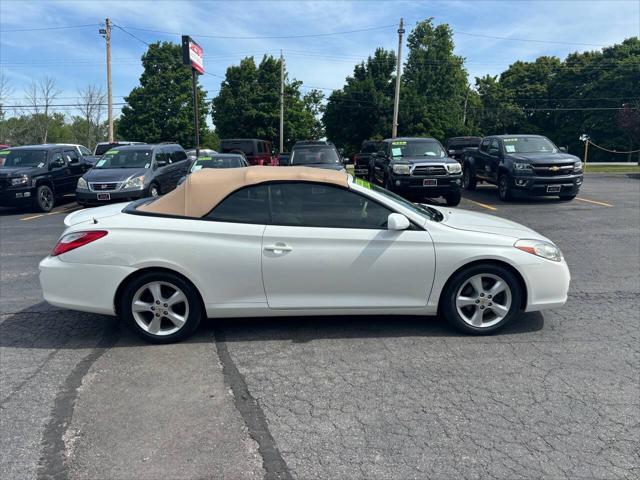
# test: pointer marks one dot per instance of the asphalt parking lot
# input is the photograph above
(555, 395)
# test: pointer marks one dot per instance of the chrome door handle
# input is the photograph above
(278, 248)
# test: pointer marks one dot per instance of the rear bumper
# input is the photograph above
(87, 197)
(537, 186)
(17, 197)
(77, 286)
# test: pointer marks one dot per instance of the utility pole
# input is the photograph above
(466, 99)
(109, 91)
(281, 102)
(394, 131)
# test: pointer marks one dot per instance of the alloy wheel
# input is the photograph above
(153, 191)
(45, 199)
(483, 300)
(160, 308)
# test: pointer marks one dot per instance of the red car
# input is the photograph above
(257, 152)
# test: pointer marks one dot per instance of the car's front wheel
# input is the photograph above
(453, 198)
(504, 189)
(481, 299)
(154, 190)
(468, 179)
(161, 307)
(45, 199)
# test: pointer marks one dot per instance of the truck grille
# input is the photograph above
(104, 187)
(553, 169)
(429, 170)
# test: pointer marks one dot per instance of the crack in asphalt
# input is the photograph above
(52, 464)
(274, 465)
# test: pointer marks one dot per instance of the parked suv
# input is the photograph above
(363, 161)
(529, 164)
(257, 152)
(457, 145)
(133, 171)
(417, 168)
(318, 154)
(35, 175)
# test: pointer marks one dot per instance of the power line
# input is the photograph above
(67, 27)
(494, 37)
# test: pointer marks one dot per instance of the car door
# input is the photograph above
(161, 175)
(494, 158)
(59, 172)
(179, 165)
(76, 169)
(479, 160)
(380, 161)
(328, 247)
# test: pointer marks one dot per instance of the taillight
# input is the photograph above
(71, 241)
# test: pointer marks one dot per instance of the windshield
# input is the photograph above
(24, 158)
(416, 148)
(420, 209)
(314, 155)
(125, 159)
(528, 145)
(217, 162)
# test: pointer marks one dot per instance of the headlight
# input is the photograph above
(135, 183)
(23, 180)
(453, 167)
(577, 167)
(401, 169)
(82, 184)
(541, 249)
(523, 167)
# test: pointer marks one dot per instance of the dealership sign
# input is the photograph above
(192, 54)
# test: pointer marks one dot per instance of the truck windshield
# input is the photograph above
(25, 158)
(528, 145)
(115, 158)
(417, 148)
(314, 155)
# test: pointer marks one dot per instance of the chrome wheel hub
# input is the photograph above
(160, 308)
(483, 300)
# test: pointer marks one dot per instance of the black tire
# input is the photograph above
(567, 198)
(45, 199)
(387, 183)
(154, 190)
(453, 198)
(469, 181)
(504, 189)
(191, 308)
(449, 308)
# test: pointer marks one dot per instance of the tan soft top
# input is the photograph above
(203, 190)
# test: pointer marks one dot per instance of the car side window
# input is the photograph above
(178, 155)
(306, 204)
(161, 156)
(495, 145)
(247, 205)
(484, 146)
(84, 150)
(72, 156)
(56, 160)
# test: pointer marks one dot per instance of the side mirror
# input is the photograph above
(397, 221)
(563, 149)
(345, 160)
(161, 163)
(452, 153)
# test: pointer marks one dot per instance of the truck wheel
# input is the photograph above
(387, 183)
(567, 198)
(468, 180)
(504, 190)
(453, 198)
(45, 200)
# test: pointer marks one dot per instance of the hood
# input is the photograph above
(482, 222)
(91, 214)
(424, 159)
(534, 158)
(17, 171)
(112, 174)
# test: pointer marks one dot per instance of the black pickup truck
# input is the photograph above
(35, 175)
(363, 160)
(417, 168)
(527, 164)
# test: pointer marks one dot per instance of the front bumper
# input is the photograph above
(547, 283)
(413, 186)
(537, 186)
(17, 197)
(88, 197)
(77, 286)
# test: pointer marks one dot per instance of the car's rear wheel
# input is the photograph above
(468, 179)
(453, 198)
(481, 299)
(161, 307)
(45, 199)
(504, 189)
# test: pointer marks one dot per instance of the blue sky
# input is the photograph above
(75, 57)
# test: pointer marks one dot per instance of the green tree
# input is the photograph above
(160, 108)
(497, 111)
(248, 104)
(363, 108)
(434, 84)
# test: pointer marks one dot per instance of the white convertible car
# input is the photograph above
(274, 241)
